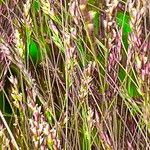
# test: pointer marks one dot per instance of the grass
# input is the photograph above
(74, 75)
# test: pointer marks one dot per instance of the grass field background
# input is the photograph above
(74, 74)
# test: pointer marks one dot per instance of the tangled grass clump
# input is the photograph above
(75, 74)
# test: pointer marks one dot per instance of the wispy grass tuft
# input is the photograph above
(74, 75)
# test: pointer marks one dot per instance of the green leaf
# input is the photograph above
(96, 22)
(34, 52)
(49, 117)
(123, 22)
(36, 5)
(91, 1)
(122, 74)
(133, 89)
(82, 52)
